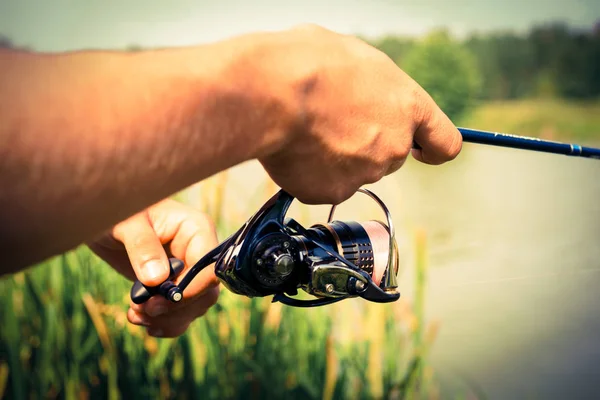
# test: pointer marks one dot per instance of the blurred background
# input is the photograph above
(499, 249)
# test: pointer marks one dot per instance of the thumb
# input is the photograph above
(439, 139)
(144, 249)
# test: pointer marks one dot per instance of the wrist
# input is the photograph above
(265, 97)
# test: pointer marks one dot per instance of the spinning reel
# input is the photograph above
(274, 255)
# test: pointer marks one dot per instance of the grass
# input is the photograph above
(551, 119)
(65, 335)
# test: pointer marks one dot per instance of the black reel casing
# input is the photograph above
(262, 260)
(271, 255)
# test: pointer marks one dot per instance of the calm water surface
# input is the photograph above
(514, 278)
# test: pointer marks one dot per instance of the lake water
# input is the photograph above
(514, 266)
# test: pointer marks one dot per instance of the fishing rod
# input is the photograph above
(525, 143)
(274, 255)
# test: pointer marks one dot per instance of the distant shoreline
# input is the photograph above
(552, 119)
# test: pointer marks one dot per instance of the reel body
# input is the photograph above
(274, 255)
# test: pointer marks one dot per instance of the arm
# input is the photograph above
(89, 138)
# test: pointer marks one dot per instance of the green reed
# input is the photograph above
(65, 335)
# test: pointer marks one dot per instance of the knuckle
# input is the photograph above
(395, 166)
(136, 223)
(142, 242)
(341, 194)
(119, 231)
(375, 174)
(400, 153)
(206, 222)
(417, 106)
(199, 224)
(143, 253)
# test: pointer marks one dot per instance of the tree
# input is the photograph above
(446, 70)
(578, 68)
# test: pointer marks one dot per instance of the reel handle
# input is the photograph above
(141, 293)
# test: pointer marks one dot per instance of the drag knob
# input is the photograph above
(283, 264)
(275, 258)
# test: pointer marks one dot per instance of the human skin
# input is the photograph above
(140, 246)
(89, 139)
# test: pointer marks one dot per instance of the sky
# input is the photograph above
(60, 25)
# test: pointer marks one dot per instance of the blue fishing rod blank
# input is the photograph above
(527, 143)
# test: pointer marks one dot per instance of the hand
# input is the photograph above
(359, 114)
(139, 248)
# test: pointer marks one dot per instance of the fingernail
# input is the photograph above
(155, 269)
(155, 332)
(156, 311)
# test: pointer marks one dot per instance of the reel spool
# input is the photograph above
(274, 255)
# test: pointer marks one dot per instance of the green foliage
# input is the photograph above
(577, 69)
(506, 63)
(550, 59)
(446, 70)
(65, 335)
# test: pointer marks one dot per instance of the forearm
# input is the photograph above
(87, 139)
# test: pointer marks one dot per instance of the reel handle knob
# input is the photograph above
(140, 293)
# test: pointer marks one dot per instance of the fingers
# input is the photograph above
(439, 139)
(144, 249)
(176, 322)
(189, 234)
(158, 305)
